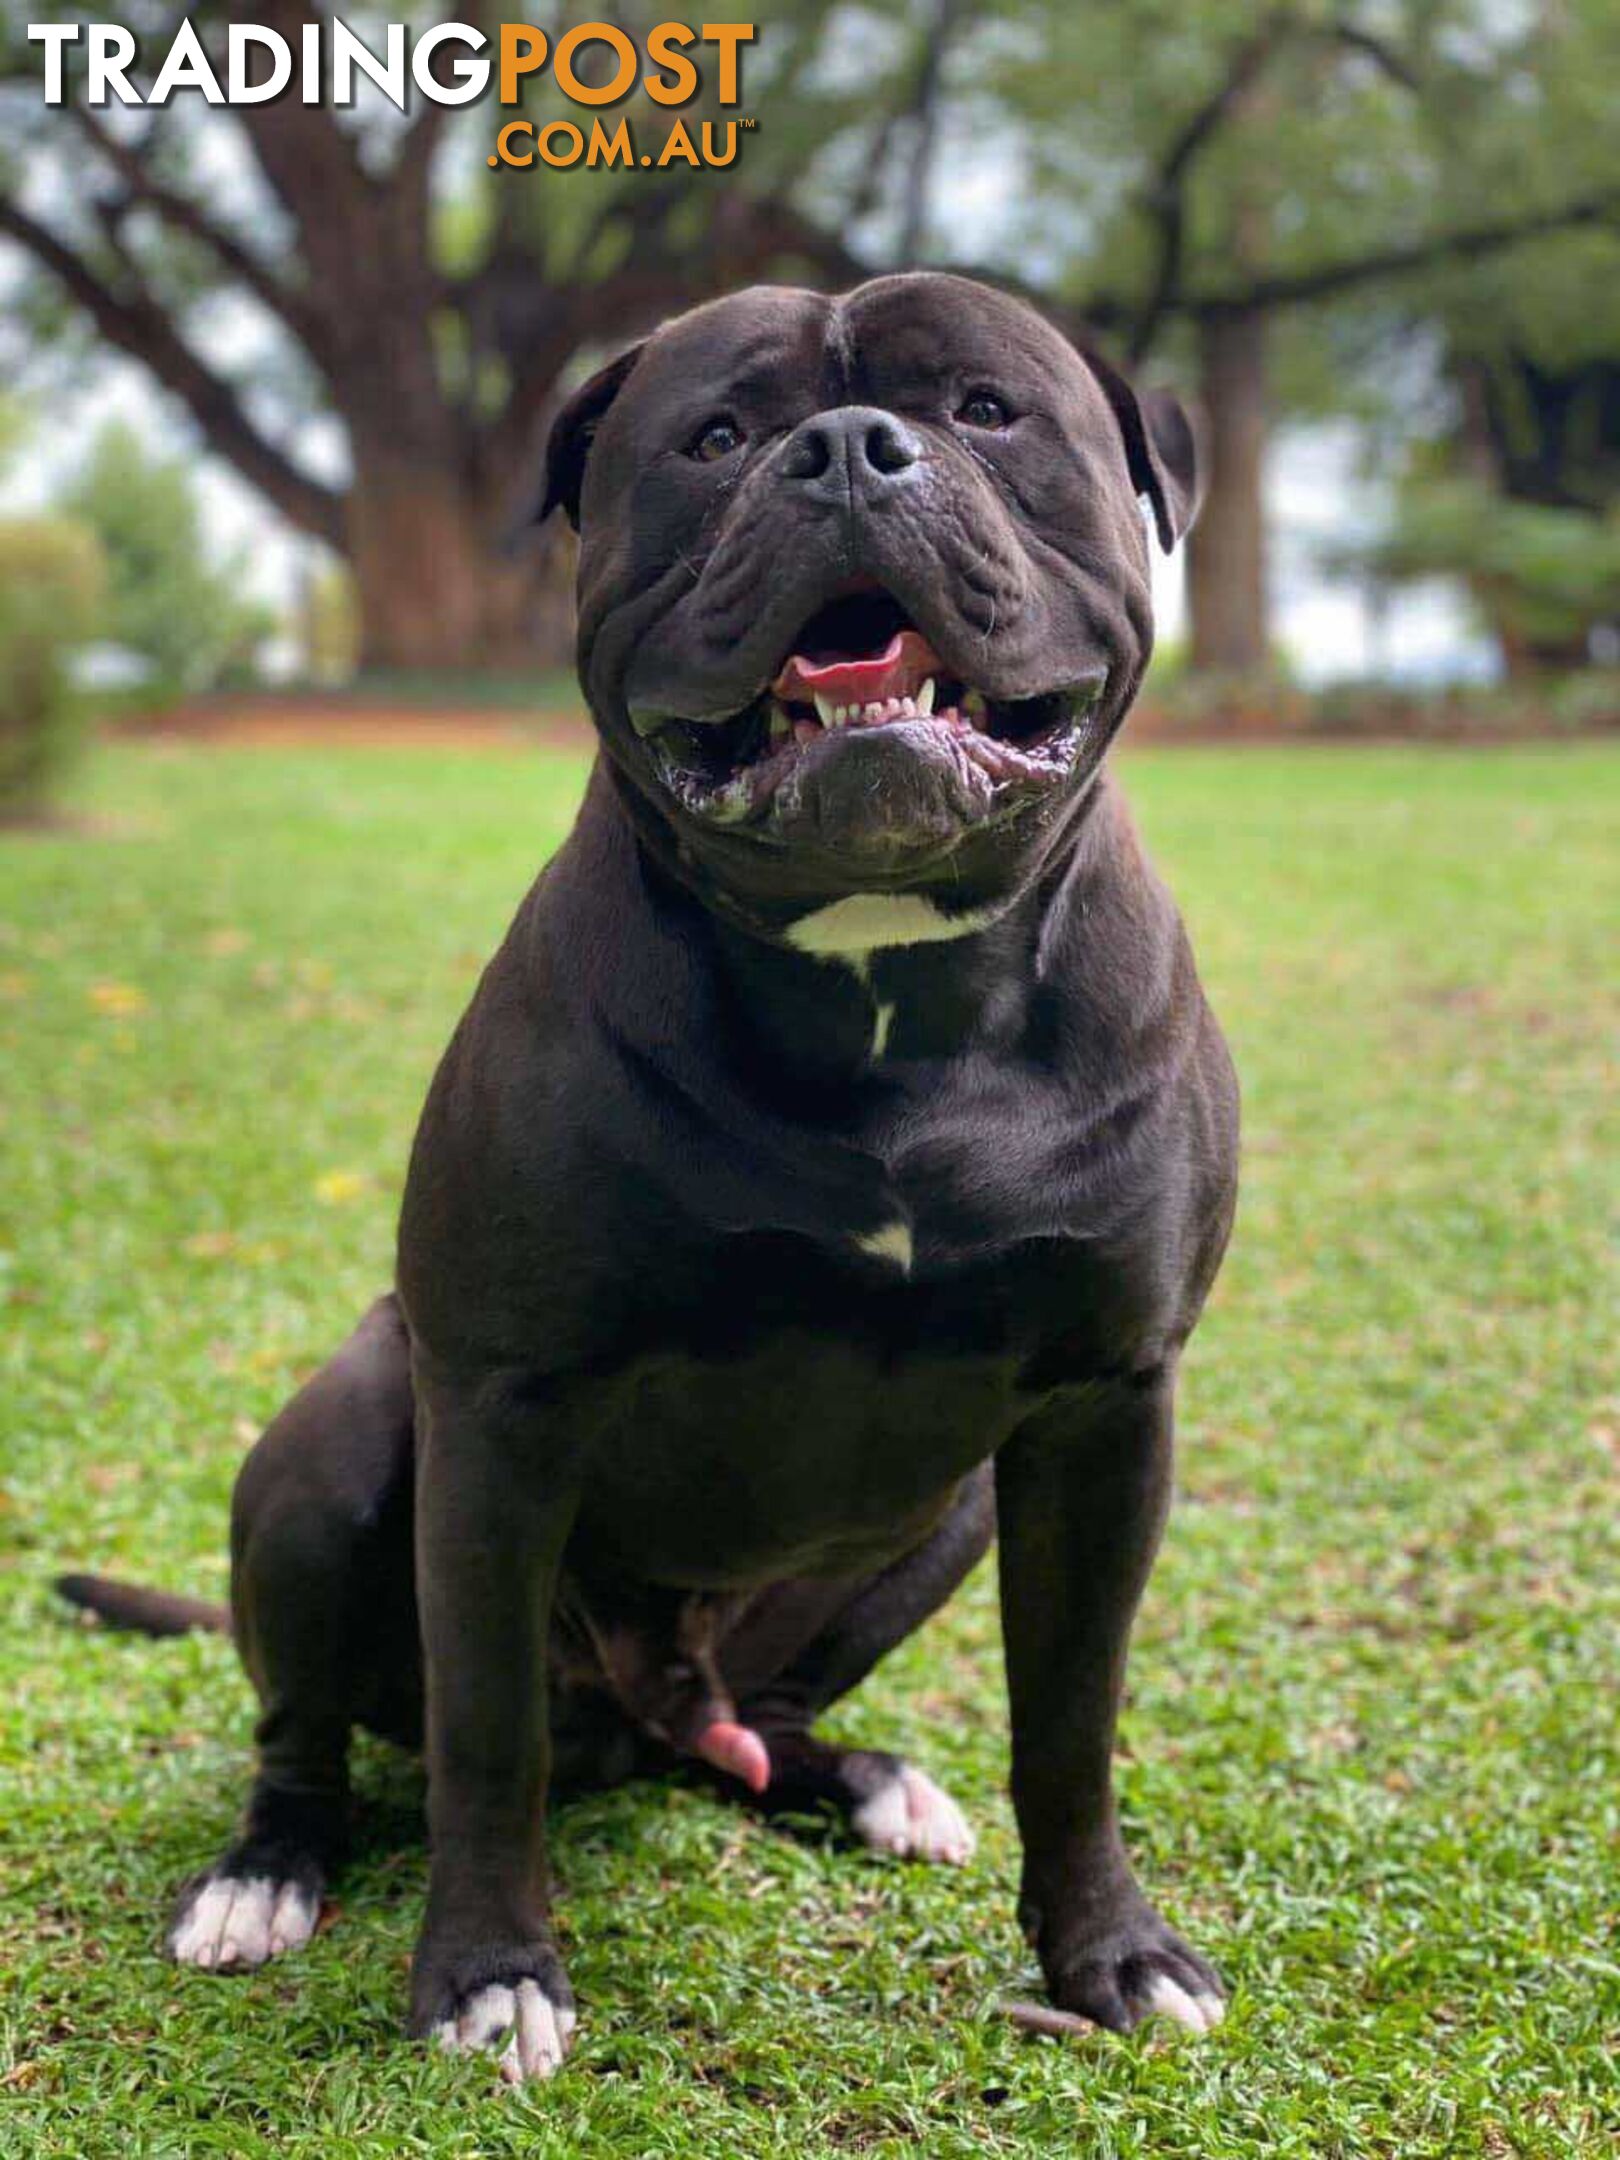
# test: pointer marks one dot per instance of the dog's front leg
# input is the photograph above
(492, 1517)
(1081, 1492)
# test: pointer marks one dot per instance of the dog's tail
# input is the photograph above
(146, 1612)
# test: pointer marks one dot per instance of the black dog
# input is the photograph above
(832, 1163)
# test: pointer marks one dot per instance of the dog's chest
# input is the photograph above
(824, 1401)
(919, 1176)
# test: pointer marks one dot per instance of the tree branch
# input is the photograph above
(184, 215)
(919, 167)
(414, 166)
(307, 158)
(1167, 197)
(1291, 288)
(1376, 49)
(138, 326)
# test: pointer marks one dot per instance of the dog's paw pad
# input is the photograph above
(231, 1924)
(912, 1818)
(521, 2026)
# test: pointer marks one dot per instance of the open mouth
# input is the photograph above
(859, 665)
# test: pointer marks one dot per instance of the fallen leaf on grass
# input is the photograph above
(119, 999)
(108, 1477)
(337, 1187)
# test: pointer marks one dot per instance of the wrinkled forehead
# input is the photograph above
(914, 332)
(893, 340)
(772, 343)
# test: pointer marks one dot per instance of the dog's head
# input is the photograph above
(863, 584)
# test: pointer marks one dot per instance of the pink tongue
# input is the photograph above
(737, 1751)
(900, 670)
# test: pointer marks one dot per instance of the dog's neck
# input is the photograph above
(873, 983)
(841, 1013)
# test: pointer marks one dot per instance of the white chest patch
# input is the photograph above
(891, 1243)
(865, 923)
(851, 930)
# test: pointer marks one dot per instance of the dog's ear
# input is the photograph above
(1159, 447)
(569, 443)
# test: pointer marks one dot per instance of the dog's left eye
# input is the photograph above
(718, 439)
(983, 409)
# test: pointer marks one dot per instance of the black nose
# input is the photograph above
(855, 450)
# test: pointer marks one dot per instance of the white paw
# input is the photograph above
(910, 1817)
(235, 1924)
(1200, 2013)
(527, 2028)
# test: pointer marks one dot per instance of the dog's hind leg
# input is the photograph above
(888, 1804)
(324, 1616)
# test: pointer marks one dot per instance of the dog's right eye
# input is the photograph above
(718, 439)
(983, 409)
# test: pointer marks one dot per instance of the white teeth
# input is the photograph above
(973, 703)
(780, 726)
(873, 714)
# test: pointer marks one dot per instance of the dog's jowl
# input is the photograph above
(824, 1179)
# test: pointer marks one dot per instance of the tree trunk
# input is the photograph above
(1226, 552)
(440, 588)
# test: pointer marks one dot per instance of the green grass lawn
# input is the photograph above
(1371, 1747)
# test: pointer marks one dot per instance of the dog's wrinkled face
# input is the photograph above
(863, 582)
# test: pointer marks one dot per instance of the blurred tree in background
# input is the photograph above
(1291, 200)
(329, 625)
(1275, 198)
(51, 580)
(275, 260)
(1544, 579)
(166, 601)
(1520, 490)
(52, 577)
